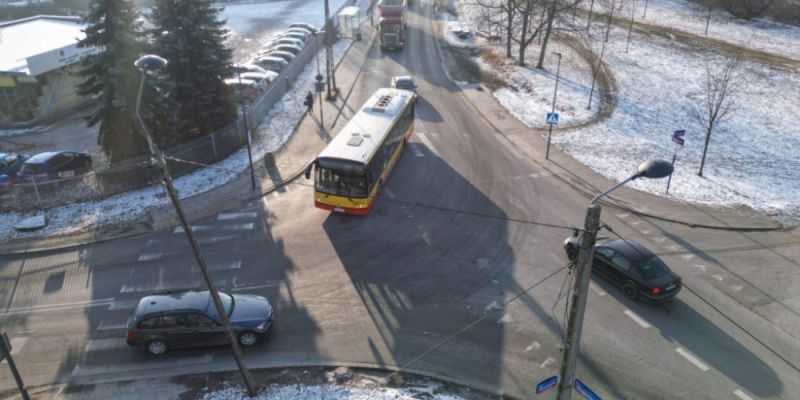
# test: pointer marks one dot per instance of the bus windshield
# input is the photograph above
(339, 183)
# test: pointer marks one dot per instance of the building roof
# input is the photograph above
(359, 138)
(24, 39)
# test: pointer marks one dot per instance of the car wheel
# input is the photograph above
(572, 253)
(629, 288)
(248, 339)
(156, 347)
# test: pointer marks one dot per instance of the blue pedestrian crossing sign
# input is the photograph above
(546, 384)
(552, 119)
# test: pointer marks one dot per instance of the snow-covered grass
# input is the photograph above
(22, 131)
(275, 130)
(751, 160)
(327, 392)
(758, 34)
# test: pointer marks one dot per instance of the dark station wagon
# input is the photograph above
(640, 273)
(188, 318)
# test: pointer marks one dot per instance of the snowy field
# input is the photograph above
(759, 34)
(751, 160)
(328, 392)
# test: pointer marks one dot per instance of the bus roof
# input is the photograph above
(360, 137)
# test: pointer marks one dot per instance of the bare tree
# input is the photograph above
(747, 8)
(501, 14)
(531, 13)
(553, 11)
(717, 99)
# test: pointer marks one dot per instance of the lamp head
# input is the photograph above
(654, 169)
(150, 62)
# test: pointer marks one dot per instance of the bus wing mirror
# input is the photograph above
(308, 170)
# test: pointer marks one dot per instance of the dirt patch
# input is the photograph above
(202, 384)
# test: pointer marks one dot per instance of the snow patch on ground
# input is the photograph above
(276, 128)
(751, 159)
(22, 131)
(328, 392)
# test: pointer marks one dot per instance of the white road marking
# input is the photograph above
(160, 287)
(660, 239)
(718, 277)
(742, 395)
(416, 150)
(60, 306)
(225, 266)
(495, 305)
(388, 193)
(150, 256)
(596, 289)
(110, 327)
(533, 346)
(623, 215)
(688, 256)
(544, 174)
(427, 238)
(428, 144)
(205, 228)
(737, 287)
(213, 239)
(702, 267)
(506, 318)
(645, 231)
(106, 344)
(83, 370)
(256, 286)
(237, 215)
(636, 223)
(17, 344)
(123, 304)
(697, 363)
(639, 320)
(547, 362)
(149, 243)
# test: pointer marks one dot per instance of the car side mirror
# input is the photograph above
(308, 170)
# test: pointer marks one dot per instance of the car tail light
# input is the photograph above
(129, 335)
(655, 291)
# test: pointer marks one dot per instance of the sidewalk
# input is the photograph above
(289, 163)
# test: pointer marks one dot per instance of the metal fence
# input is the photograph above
(87, 185)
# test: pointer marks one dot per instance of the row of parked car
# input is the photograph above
(47, 166)
(251, 79)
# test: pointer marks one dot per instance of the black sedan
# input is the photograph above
(628, 264)
(188, 318)
(10, 164)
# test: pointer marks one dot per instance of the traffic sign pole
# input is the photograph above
(674, 156)
(5, 350)
(677, 138)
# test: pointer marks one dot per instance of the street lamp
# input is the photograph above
(653, 169)
(148, 64)
(246, 130)
(553, 110)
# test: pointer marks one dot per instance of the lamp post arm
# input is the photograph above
(596, 198)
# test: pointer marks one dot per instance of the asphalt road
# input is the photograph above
(455, 273)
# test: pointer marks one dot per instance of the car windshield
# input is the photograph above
(227, 304)
(652, 268)
(32, 169)
(337, 183)
(6, 161)
(405, 83)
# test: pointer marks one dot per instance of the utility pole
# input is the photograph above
(246, 131)
(5, 353)
(583, 274)
(594, 75)
(329, 67)
(151, 63)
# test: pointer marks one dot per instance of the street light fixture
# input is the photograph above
(653, 169)
(553, 110)
(148, 64)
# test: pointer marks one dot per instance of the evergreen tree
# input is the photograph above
(189, 34)
(111, 77)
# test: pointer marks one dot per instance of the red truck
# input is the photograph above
(392, 23)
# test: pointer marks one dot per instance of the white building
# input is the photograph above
(39, 58)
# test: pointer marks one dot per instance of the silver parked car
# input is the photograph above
(271, 63)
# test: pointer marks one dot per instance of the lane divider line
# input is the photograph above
(639, 320)
(236, 215)
(692, 359)
(742, 395)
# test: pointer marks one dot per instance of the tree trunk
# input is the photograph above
(550, 16)
(509, 28)
(705, 149)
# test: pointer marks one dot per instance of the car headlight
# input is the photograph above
(262, 326)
